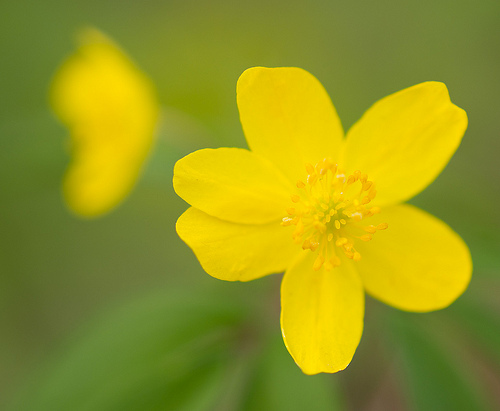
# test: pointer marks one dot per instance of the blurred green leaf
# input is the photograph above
(277, 383)
(177, 135)
(481, 323)
(168, 351)
(435, 378)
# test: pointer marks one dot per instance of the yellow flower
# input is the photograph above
(327, 209)
(111, 110)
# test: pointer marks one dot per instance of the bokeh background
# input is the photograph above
(116, 313)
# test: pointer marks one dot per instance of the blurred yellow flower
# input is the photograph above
(327, 209)
(111, 109)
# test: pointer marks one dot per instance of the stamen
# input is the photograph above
(341, 241)
(311, 179)
(318, 263)
(327, 213)
(367, 185)
(335, 261)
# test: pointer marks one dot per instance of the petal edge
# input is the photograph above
(321, 315)
(405, 140)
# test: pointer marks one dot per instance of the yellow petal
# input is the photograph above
(111, 110)
(417, 264)
(288, 117)
(321, 315)
(405, 140)
(236, 252)
(233, 184)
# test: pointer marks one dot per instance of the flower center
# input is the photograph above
(330, 213)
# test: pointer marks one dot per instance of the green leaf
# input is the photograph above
(435, 376)
(479, 322)
(278, 384)
(167, 351)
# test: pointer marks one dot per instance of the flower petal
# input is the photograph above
(417, 264)
(321, 315)
(233, 184)
(288, 117)
(111, 109)
(236, 252)
(405, 140)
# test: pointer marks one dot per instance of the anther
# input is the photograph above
(295, 198)
(318, 263)
(300, 184)
(382, 226)
(299, 230)
(370, 229)
(365, 237)
(335, 260)
(367, 185)
(341, 241)
(356, 256)
(309, 168)
(337, 224)
(306, 244)
(357, 216)
(312, 178)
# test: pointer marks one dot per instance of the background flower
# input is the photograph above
(112, 112)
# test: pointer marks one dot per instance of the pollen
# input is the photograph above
(331, 212)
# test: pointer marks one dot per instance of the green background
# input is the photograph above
(116, 314)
